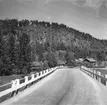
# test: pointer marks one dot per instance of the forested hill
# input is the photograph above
(22, 42)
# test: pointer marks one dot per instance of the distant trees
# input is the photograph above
(39, 50)
(1, 53)
(70, 61)
(25, 53)
(24, 23)
(12, 49)
(12, 54)
(24, 41)
(51, 59)
(101, 56)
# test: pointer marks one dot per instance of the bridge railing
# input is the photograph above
(17, 85)
(101, 77)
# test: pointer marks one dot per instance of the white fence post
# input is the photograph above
(106, 79)
(91, 70)
(99, 78)
(32, 76)
(46, 71)
(94, 71)
(17, 82)
(96, 75)
(41, 73)
(13, 84)
(26, 79)
(37, 75)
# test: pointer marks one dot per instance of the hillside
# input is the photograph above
(23, 42)
(61, 37)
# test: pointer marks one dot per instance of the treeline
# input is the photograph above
(23, 42)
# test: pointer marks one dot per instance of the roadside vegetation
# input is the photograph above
(23, 42)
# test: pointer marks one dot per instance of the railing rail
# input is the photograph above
(101, 77)
(24, 82)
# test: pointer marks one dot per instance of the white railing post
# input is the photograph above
(99, 78)
(41, 73)
(17, 83)
(46, 71)
(94, 73)
(26, 79)
(13, 84)
(51, 69)
(97, 75)
(91, 73)
(37, 75)
(106, 79)
(88, 72)
(32, 76)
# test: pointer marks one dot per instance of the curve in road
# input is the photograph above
(64, 87)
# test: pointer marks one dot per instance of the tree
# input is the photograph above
(24, 23)
(55, 25)
(12, 52)
(101, 56)
(70, 58)
(52, 62)
(25, 53)
(12, 48)
(5, 68)
(39, 50)
(1, 53)
(34, 22)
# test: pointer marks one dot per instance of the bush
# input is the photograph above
(45, 65)
(52, 62)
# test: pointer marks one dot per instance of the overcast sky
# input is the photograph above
(85, 15)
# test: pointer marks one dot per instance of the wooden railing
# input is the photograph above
(101, 77)
(17, 85)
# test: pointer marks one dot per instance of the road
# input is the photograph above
(64, 87)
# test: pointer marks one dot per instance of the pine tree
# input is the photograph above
(12, 52)
(4, 58)
(25, 53)
(1, 53)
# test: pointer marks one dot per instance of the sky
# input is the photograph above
(88, 16)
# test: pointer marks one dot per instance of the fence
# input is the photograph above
(10, 89)
(101, 77)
